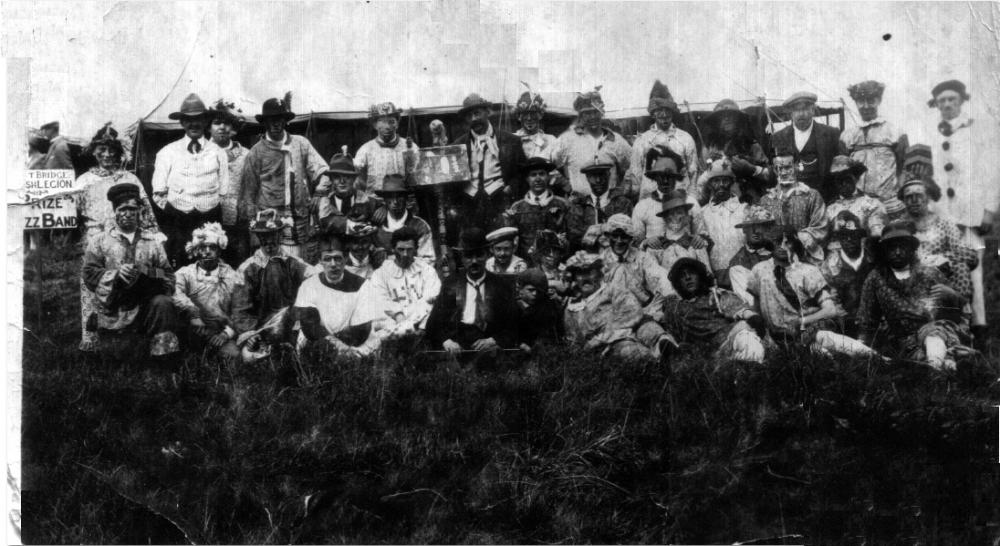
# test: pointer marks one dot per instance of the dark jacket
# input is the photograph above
(511, 158)
(828, 145)
(445, 321)
(582, 213)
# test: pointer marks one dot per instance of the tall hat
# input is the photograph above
(529, 101)
(866, 89)
(376, 111)
(591, 100)
(472, 239)
(106, 136)
(950, 85)
(211, 233)
(660, 97)
(473, 102)
(277, 107)
(192, 107)
(917, 160)
(229, 112)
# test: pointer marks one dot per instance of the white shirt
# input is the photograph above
(392, 290)
(190, 180)
(801, 137)
(485, 149)
(337, 310)
(469, 312)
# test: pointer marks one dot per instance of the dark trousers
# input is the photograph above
(483, 211)
(239, 245)
(156, 316)
(177, 226)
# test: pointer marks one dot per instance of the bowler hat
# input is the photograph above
(950, 85)
(274, 107)
(472, 239)
(192, 107)
(537, 162)
(119, 193)
(474, 102)
(342, 164)
(393, 184)
(500, 235)
(806, 96)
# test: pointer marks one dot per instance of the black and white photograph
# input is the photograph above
(502, 272)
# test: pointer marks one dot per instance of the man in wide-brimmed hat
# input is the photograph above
(345, 210)
(812, 144)
(729, 139)
(386, 153)
(590, 209)
(395, 193)
(846, 173)
(529, 111)
(226, 120)
(477, 310)
(875, 142)
(58, 155)
(666, 168)
(283, 172)
(189, 178)
(922, 314)
(588, 142)
(964, 166)
(663, 133)
(794, 204)
(495, 157)
(539, 209)
(717, 220)
(757, 226)
(677, 241)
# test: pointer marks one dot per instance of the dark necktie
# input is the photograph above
(345, 206)
(480, 307)
(194, 146)
(482, 165)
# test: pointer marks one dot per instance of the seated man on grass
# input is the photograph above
(540, 318)
(402, 291)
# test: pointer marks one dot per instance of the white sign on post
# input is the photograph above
(58, 212)
(44, 183)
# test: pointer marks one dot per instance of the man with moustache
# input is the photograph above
(795, 205)
(811, 144)
(189, 178)
(540, 209)
(875, 143)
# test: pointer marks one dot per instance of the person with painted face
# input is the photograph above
(225, 123)
(588, 142)
(875, 143)
(395, 194)
(502, 242)
(922, 314)
(404, 288)
(606, 318)
(212, 296)
(284, 172)
(95, 213)
(386, 153)
(845, 173)
(677, 241)
(190, 177)
(666, 168)
(540, 209)
(797, 303)
(717, 220)
(756, 226)
(847, 266)
(529, 111)
(477, 310)
(811, 144)
(632, 269)
(603, 202)
(272, 277)
(126, 269)
(794, 205)
(663, 133)
(548, 254)
(360, 259)
(540, 318)
(703, 314)
(964, 166)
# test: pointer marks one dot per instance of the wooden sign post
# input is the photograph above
(437, 168)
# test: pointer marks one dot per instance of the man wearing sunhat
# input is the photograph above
(811, 144)
(588, 142)
(875, 142)
(58, 155)
(189, 178)
(345, 210)
(503, 242)
(127, 269)
(477, 310)
(590, 209)
(495, 157)
(283, 172)
(225, 123)
(666, 168)
(539, 208)
(846, 174)
(757, 226)
(271, 276)
(386, 153)
(677, 242)
(922, 314)
(717, 220)
(663, 133)
(964, 167)
(395, 193)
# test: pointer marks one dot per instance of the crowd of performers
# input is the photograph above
(852, 243)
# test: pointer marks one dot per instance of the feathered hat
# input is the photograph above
(529, 102)
(106, 136)
(211, 233)
(660, 97)
(228, 112)
(590, 100)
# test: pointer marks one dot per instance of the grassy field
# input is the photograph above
(561, 449)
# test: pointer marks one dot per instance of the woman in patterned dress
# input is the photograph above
(96, 213)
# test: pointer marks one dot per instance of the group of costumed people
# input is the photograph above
(854, 243)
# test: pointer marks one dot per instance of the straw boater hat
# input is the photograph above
(756, 215)
(192, 107)
(474, 102)
(591, 100)
(383, 109)
(866, 89)
(597, 168)
(266, 221)
(529, 102)
(950, 85)
(801, 96)
(660, 97)
(675, 200)
(276, 107)
(843, 165)
(472, 239)
(501, 235)
(393, 184)
(211, 233)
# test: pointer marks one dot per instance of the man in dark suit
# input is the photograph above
(495, 158)
(477, 310)
(813, 145)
